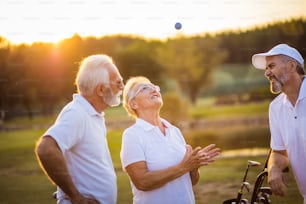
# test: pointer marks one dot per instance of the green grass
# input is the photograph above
(205, 108)
(114, 142)
(230, 138)
(22, 180)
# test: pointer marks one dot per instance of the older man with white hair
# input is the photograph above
(74, 151)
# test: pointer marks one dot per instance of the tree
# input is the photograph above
(191, 61)
(139, 59)
(4, 74)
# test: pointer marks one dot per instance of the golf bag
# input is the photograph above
(260, 194)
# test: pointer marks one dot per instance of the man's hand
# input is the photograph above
(83, 200)
(277, 162)
(277, 181)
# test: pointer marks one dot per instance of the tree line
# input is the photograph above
(38, 78)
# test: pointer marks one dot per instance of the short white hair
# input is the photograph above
(92, 71)
(129, 89)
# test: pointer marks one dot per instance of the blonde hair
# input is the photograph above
(128, 92)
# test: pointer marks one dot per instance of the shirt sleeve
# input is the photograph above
(67, 130)
(131, 148)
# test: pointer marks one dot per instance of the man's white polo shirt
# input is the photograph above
(288, 132)
(80, 133)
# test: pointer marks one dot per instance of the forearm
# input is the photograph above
(156, 179)
(150, 180)
(194, 176)
(278, 161)
(53, 163)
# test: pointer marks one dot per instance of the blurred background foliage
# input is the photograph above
(39, 78)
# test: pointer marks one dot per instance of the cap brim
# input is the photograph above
(259, 60)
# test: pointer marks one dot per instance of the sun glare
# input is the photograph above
(51, 21)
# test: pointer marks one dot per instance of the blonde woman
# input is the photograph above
(161, 166)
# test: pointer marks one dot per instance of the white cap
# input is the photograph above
(259, 60)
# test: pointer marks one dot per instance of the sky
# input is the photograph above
(27, 21)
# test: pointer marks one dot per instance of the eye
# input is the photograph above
(145, 88)
(269, 66)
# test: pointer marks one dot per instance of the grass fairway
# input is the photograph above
(22, 180)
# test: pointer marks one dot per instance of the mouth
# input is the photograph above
(273, 79)
(155, 96)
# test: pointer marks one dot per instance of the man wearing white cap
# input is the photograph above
(284, 68)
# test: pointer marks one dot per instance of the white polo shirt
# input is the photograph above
(80, 133)
(288, 132)
(145, 142)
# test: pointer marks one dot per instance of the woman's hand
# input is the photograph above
(208, 154)
(197, 157)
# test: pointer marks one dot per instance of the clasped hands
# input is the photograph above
(197, 157)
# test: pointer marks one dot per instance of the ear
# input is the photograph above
(292, 65)
(99, 90)
(133, 104)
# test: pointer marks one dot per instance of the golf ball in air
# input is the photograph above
(178, 26)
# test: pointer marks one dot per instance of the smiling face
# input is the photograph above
(145, 96)
(277, 73)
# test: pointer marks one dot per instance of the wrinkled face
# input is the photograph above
(145, 96)
(110, 98)
(276, 72)
(113, 89)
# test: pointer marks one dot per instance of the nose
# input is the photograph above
(121, 85)
(267, 73)
(155, 88)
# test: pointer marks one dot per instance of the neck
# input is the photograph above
(96, 103)
(150, 117)
(292, 90)
(154, 119)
